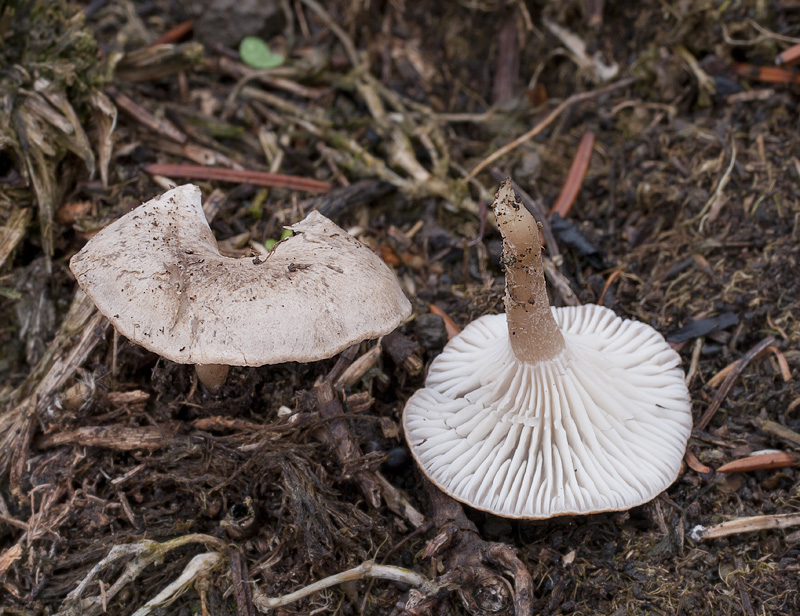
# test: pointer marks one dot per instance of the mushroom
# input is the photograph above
(547, 411)
(158, 276)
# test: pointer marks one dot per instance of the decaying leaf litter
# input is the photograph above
(119, 473)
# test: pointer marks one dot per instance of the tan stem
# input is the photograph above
(533, 331)
(212, 375)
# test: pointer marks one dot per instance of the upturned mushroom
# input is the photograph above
(547, 411)
(158, 275)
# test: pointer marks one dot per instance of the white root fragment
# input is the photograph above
(199, 566)
(745, 525)
(593, 65)
(366, 569)
(145, 553)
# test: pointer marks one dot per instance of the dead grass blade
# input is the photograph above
(12, 232)
(75, 137)
(105, 115)
(38, 153)
(81, 330)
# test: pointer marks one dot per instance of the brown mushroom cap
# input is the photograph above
(159, 277)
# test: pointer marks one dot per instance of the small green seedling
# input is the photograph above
(272, 242)
(255, 53)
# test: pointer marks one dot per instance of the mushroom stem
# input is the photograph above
(212, 375)
(533, 331)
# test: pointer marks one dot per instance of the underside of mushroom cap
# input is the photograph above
(158, 276)
(601, 427)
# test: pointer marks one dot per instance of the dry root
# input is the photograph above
(144, 553)
(489, 577)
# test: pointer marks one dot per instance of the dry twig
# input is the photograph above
(745, 525)
(551, 117)
(371, 483)
(729, 381)
(781, 431)
(367, 569)
(472, 565)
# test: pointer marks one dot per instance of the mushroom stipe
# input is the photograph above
(547, 411)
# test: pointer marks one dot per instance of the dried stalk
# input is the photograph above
(745, 525)
(144, 553)
(367, 569)
(81, 330)
(572, 100)
(12, 232)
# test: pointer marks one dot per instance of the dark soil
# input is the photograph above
(691, 196)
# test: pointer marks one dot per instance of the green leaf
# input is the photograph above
(255, 53)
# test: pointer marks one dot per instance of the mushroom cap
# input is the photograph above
(158, 276)
(601, 427)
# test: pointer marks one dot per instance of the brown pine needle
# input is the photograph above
(452, 329)
(727, 384)
(767, 74)
(143, 116)
(239, 176)
(786, 373)
(777, 459)
(614, 275)
(696, 465)
(716, 380)
(575, 177)
(783, 364)
(788, 56)
(174, 34)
